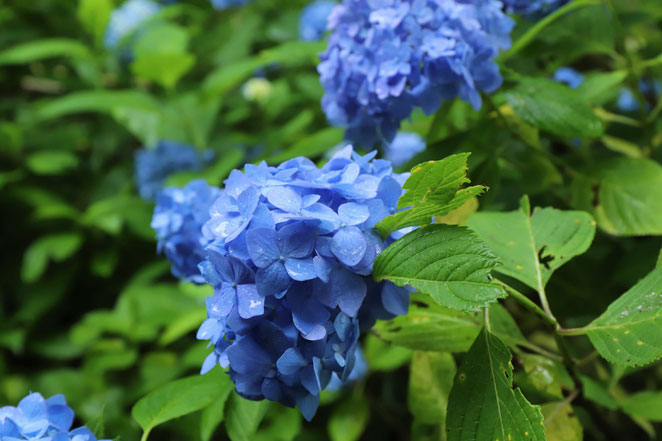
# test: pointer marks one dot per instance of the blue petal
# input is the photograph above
(308, 406)
(262, 246)
(395, 299)
(296, 240)
(349, 245)
(247, 357)
(33, 406)
(350, 290)
(61, 416)
(301, 269)
(272, 280)
(285, 198)
(352, 213)
(209, 363)
(291, 361)
(310, 380)
(250, 303)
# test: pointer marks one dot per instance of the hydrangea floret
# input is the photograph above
(385, 58)
(569, 77)
(313, 19)
(153, 166)
(533, 8)
(289, 253)
(125, 19)
(36, 418)
(404, 146)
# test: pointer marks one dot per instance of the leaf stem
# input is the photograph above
(533, 32)
(486, 319)
(572, 331)
(529, 304)
(145, 434)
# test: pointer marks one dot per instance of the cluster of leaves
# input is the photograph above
(536, 324)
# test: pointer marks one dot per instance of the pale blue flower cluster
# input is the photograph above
(289, 251)
(628, 102)
(225, 4)
(533, 8)
(404, 147)
(36, 418)
(127, 18)
(153, 166)
(313, 19)
(386, 57)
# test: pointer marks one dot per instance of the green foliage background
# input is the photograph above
(87, 308)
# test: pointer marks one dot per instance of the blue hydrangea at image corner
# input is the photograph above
(628, 102)
(384, 58)
(313, 19)
(126, 19)
(225, 4)
(36, 418)
(289, 255)
(153, 166)
(533, 8)
(404, 146)
(569, 77)
(178, 218)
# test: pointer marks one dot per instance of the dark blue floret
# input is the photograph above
(385, 58)
(36, 418)
(533, 8)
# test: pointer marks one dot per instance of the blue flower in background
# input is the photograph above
(225, 4)
(384, 58)
(533, 8)
(126, 19)
(36, 418)
(404, 146)
(153, 166)
(313, 19)
(569, 77)
(178, 219)
(628, 102)
(289, 252)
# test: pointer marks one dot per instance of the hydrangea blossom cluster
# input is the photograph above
(178, 219)
(37, 418)
(126, 19)
(225, 4)
(533, 8)
(289, 251)
(153, 166)
(405, 146)
(384, 58)
(313, 19)
(628, 102)
(569, 77)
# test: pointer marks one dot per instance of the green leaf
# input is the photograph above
(628, 333)
(349, 419)
(94, 15)
(430, 381)
(447, 262)
(40, 49)
(482, 404)
(597, 393)
(432, 327)
(242, 417)
(212, 415)
(553, 108)
(179, 398)
(599, 88)
(95, 101)
(624, 195)
(56, 247)
(51, 162)
(433, 189)
(313, 145)
(383, 356)
(647, 405)
(560, 423)
(532, 246)
(182, 325)
(546, 375)
(281, 424)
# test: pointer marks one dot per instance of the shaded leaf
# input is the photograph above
(560, 423)
(56, 247)
(212, 415)
(430, 380)
(647, 405)
(41, 49)
(349, 419)
(242, 417)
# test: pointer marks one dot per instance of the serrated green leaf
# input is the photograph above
(212, 415)
(179, 398)
(349, 419)
(554, 108)
(430, 381)
(628, 333)
(647, 405)
(483, 405)
(41, 49)
(624, 195)
(433, 189)
(532, 246)
(445, 261)
(560, 423)
(242, 417)
(432, 327)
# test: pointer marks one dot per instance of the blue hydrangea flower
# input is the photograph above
(126, 19)
(628, 102)
(533, 8)
(359, 372)
(313, 19)
(36, 418)
(404, 146)
(225, 4)
(178, 219)
(384, 58)
(289, 253)
(569, 77)
(153, 166)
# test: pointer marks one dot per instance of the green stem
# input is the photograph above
(145, 434)
(486, 319)
(533, 32)
(572, 331)
(529, 304)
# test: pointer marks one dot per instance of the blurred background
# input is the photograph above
(104, 103)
